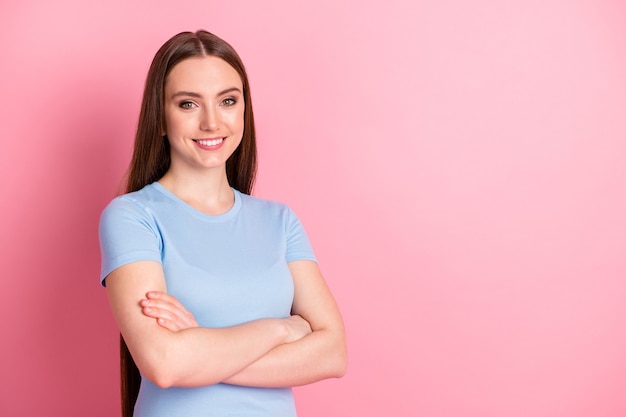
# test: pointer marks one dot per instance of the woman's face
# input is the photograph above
(204, 113)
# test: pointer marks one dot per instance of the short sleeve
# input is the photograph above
(127, 234)
(298, 244)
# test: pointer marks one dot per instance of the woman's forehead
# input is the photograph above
(205, 73)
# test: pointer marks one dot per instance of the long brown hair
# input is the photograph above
(151, 154)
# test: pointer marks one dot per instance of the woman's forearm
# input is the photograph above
(320, 355)
(201, 356)
(194, 356)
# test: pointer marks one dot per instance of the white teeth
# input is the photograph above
(211, 142)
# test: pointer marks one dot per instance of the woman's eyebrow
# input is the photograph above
(198, 95)
(229, 90)
(186, 94)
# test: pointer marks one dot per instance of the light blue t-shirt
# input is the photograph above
(227, 270)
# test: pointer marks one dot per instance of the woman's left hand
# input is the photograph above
(167, 311)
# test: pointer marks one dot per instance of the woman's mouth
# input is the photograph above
(209, 142)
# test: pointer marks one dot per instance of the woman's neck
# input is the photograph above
(209, 193)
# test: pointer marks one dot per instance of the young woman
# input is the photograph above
(217, 294)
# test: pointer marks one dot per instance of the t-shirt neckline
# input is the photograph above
(232, 212)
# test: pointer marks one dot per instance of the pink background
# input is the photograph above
(460, 167)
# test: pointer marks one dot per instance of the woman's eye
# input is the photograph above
(229, 102)
(187, 105)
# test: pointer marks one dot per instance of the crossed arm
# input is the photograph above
(171, 350)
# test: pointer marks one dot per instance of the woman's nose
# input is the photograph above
(209, 119)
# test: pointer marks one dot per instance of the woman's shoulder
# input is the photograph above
(135, 201)
(271, 210)
(264, 204)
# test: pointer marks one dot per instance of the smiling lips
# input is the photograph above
(209, 143)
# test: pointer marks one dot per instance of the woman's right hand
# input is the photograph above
(297, 328)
